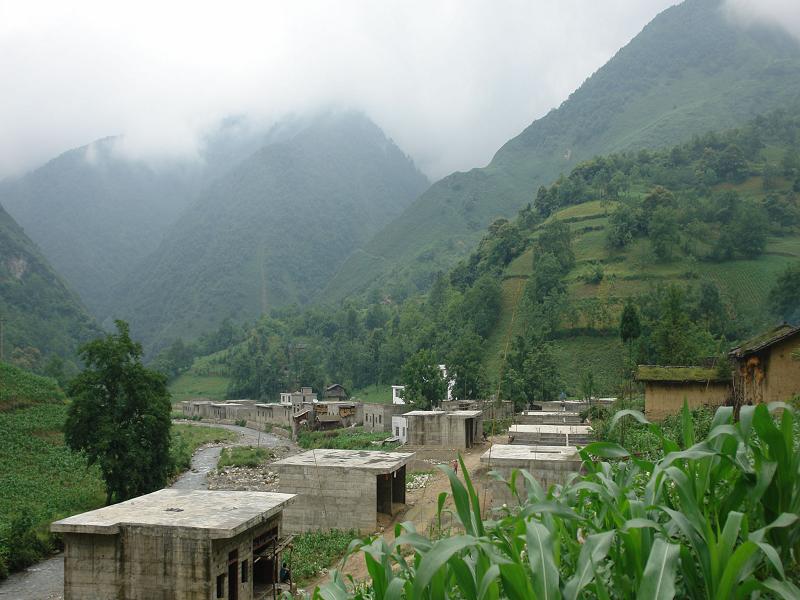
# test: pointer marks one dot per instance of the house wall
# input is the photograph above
(328, 498)
(782, 382)
(243, 544)
(441, 429)
(378, 417)
(400, 428)
(154, 563)
(92, 567)
(666, 398)
(546, 472)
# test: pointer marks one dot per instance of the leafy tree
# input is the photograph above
(675, 338)
(659, 197)
(119, 416)
(630, 327)
(465, 367)
(784, 298)
(481, 305)
(556, 239)
(531, 374)
(425, 386)
(587, 385)
(622, 228)
(546, 280)
(663, 232)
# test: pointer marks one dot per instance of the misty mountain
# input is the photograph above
(272, 230)
(689, 71)
(95, 214)
(39, 310)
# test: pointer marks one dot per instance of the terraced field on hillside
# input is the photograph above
(745, 284)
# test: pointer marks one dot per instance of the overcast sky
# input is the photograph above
(450, 81)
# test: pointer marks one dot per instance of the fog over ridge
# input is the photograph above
(449, 81)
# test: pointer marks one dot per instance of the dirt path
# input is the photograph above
(422, 510)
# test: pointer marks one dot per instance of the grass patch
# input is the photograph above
(243, 456)
(188, 438)
(317, 550)
(353, 438)
(189, 385)
(41, 480)
(374, 394)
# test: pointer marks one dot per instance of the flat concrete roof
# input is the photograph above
(558, 413)
(365, 460)
(549, 429)
(424, 413)
(465, 414)
(221, 514)
(500, 453)
(460, 414)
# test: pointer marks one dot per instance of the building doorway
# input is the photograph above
(469, 432)
(233, 575)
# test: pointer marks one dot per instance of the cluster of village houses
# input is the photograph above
(201, 544)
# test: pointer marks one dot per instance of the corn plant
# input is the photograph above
(711, 519)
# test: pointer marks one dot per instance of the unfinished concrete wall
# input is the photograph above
(549, 435)
(540, 417)
(548, 466)
(378, 417)
(328, 498)
(92, 566)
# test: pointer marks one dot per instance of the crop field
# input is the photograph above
(511, 292)
(374, 394)
(20, 388)
(41, 480)
(188, 385)
(603, 356)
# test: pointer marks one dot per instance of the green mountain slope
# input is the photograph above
(734, 231)
(95, 215)
(272, 231)
(690, 70)
(39, 310)
(19, 388)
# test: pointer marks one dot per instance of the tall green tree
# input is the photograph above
(784, 298)
(119, 416)
(425, 386)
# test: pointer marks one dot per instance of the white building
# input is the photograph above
(397, 394)
(400, 428)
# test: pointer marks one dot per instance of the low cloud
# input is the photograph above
(450, 80)
(784, 14)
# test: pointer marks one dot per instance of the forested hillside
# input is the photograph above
(271, 231)
(43, 318)
(691, 241)
(95, 214)
(691, 70)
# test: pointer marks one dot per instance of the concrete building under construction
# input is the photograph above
(342, 489)
(175, 544)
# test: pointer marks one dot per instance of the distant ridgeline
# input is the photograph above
(694, 236)
(43, 320)
(270, 231)
(691, 70)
